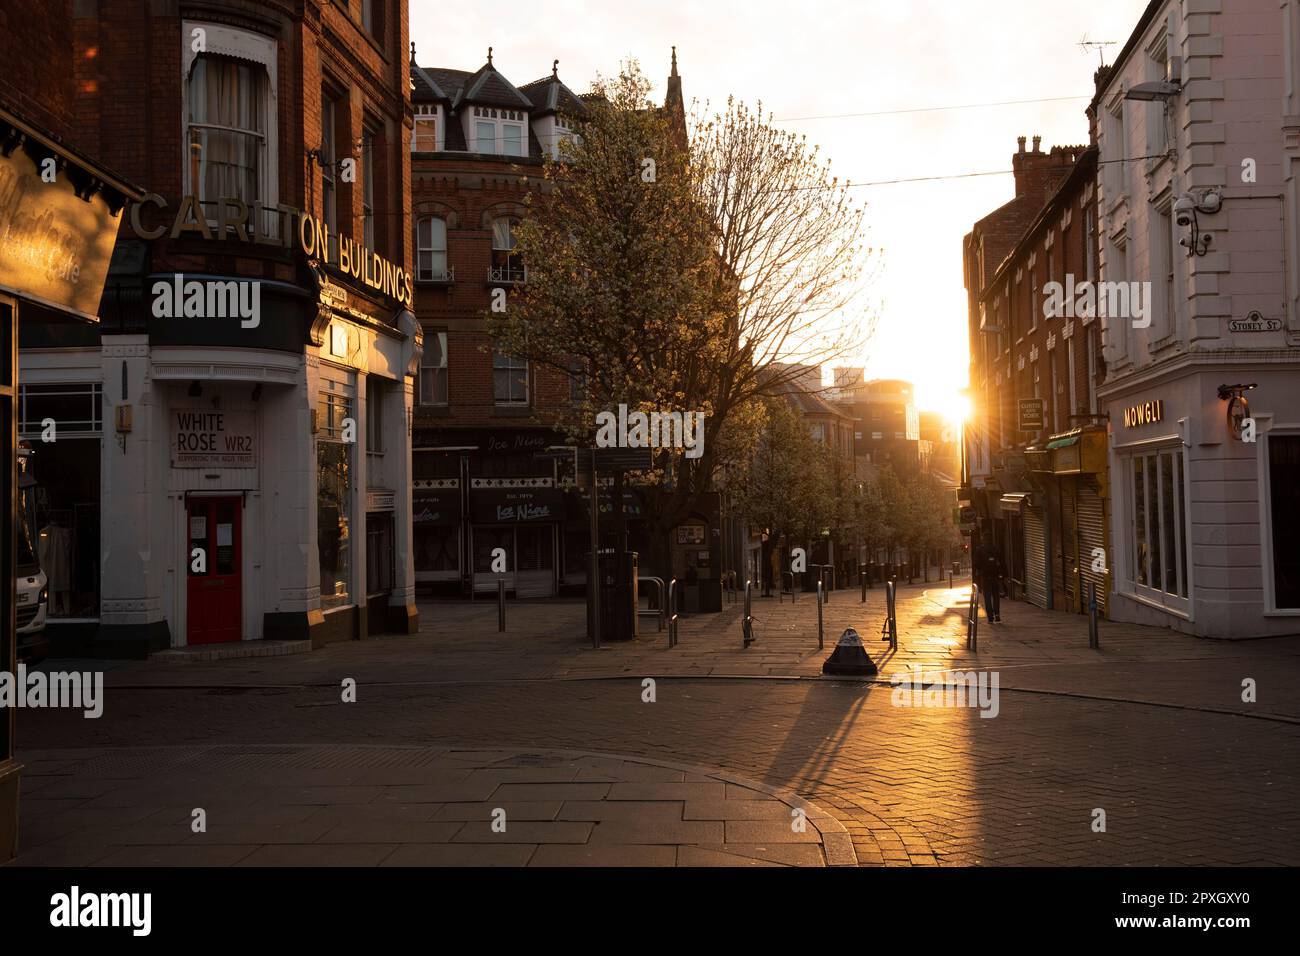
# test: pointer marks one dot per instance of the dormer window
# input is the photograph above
(427, 132)
(499, 132)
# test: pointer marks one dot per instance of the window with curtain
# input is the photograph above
(227, 124)
(507, 265)
(431, 249)
(509, 379)
(433, 369)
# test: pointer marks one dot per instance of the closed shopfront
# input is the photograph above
(436, 522)
(514, 529)
(1037, 589)
(1093, 561)
(1078, 462)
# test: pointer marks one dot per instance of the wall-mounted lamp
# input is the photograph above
(1238, 406)
(195, 390)
(1186, 213)
(257, 392)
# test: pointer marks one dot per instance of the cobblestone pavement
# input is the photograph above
(1151, 730)
(407, 806)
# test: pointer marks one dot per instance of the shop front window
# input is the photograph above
(1159, 511)
(61, 497)
(1284, 501)
(334, 501)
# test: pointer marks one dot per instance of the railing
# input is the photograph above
(672, 612)
(659, 595)
(504, 274)
(729, 586)
(442, 275)
(782, 592)
(747, 620)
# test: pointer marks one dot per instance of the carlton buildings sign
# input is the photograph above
(234, 220)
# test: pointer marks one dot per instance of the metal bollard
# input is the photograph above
(862, 579)
(501, 604)
(1094, 638)
(821, 643)
(973, 619)
(672, 612)
(747, 621)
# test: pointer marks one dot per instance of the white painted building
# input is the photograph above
(1198, 125)
(231, 503)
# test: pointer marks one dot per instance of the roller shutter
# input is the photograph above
(1037, 589)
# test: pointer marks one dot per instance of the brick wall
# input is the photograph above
(467, 193)
(36, 49)
(124, 58)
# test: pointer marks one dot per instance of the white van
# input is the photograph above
(31, 584)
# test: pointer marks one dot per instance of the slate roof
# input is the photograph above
(549, 95)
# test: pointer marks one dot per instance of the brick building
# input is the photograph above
(491, 470)
(59, 214)
(248, 388)
(1035, 466)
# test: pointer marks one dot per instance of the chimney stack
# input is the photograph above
(1021, 141)
(1037, 141)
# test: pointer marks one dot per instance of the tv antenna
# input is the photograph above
(1100, 46)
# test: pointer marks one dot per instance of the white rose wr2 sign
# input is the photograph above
(204, 438)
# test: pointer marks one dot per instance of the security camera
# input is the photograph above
(1184, 207)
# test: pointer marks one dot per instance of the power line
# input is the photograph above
(931, 109)
(991, 172)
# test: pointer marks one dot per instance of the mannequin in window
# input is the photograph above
(54, 550)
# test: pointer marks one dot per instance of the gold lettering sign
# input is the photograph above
(1148, 413)
(348, 256)
(53, 246)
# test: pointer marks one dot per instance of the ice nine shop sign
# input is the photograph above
(203, 438)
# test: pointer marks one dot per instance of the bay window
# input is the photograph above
(227, 130)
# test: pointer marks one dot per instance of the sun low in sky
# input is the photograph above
(897, 95)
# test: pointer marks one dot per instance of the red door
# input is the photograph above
(215, 610)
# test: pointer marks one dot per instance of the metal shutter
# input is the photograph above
(1092, 534)
(1036, 587)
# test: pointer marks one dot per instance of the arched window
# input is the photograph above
(431, 250)
(507, 265)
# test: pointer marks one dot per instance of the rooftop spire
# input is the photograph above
(489, 56)
(412, 51)
(674, 73)
(555, 69)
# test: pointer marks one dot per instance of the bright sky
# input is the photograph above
(855, 56)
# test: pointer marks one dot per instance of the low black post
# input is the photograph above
(1094, 639)
(820, 638)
